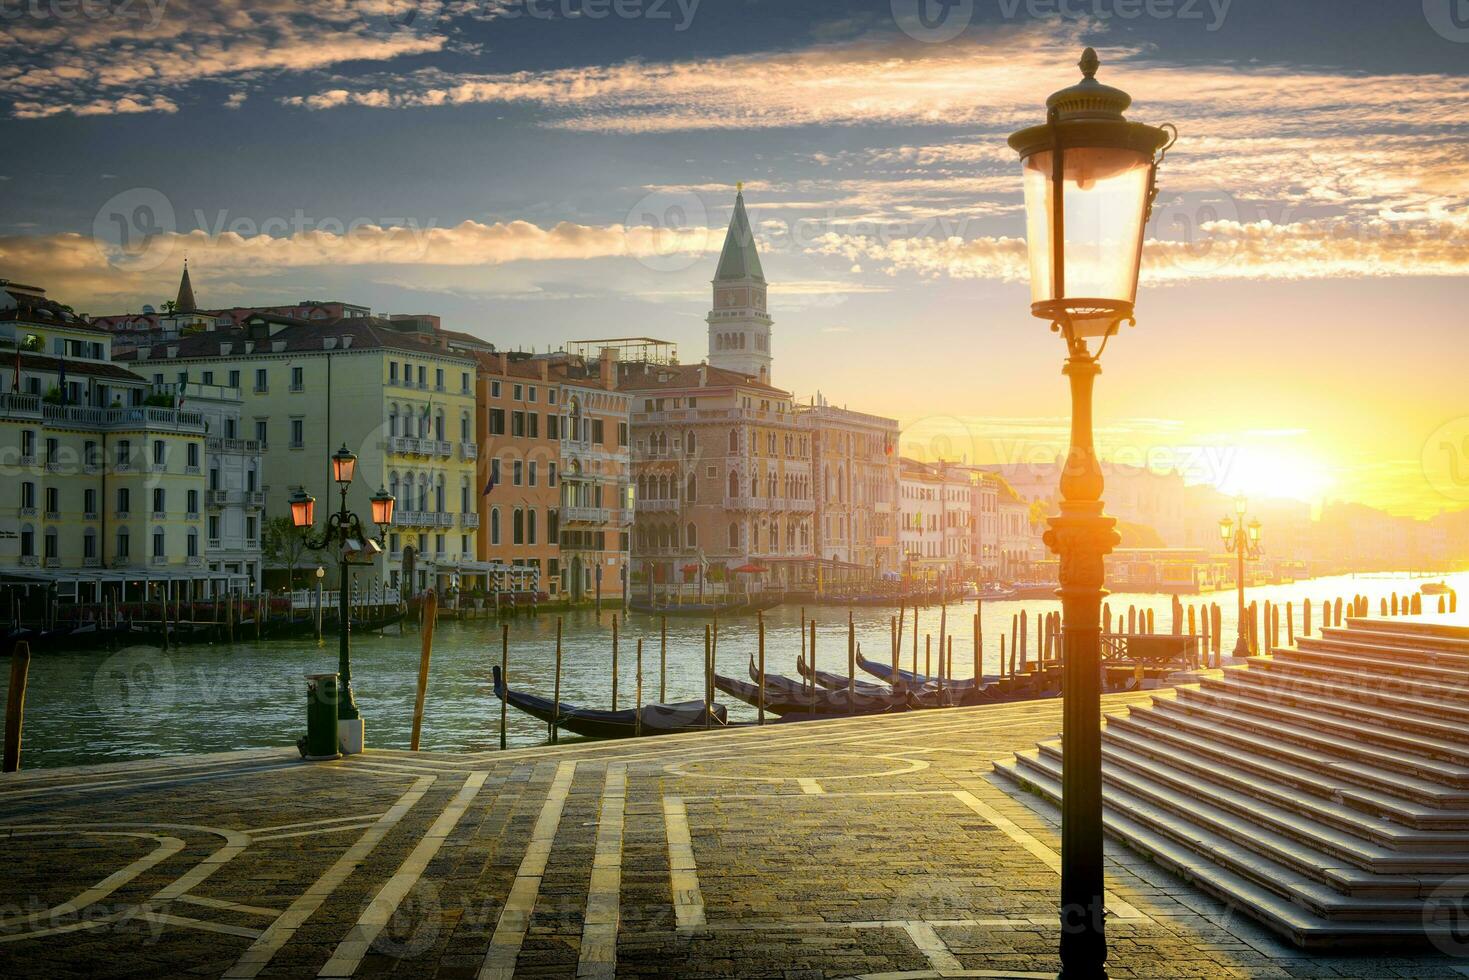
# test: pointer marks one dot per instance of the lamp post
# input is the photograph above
(1090, 179)
(320, 574)
(1243, 541)
(344, 528)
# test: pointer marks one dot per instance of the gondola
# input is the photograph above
(838, 682)
(298, 629)
(784, 696)
(657, 719)
(924, 681)
(178, 635)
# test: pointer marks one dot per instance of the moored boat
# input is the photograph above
(654, 719)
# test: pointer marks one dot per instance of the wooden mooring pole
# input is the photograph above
(614, 661)
(760, 708)
(556, 697)
(425, 652)
(505, 677)
(15, 703)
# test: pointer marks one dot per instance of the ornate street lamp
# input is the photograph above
(1243, 541)
(1090, 180)
(344, 529)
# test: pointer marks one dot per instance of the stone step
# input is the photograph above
(1259, 783)
(1369, 659)
(1344, 692)
(1426, 629)
(1345, 862)
(1454, 750)
(1348, 750)
(1426, 695)
(1211, 859)
(1387, 633)
(1391, 808)
(1385, 780)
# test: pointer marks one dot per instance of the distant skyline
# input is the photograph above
(540, 170)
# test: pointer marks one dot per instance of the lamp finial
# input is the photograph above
(1089, 62)
(740, 187)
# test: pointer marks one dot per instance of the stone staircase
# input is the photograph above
(1323, 790)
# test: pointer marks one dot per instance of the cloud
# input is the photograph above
(138, 56)
(1322, 249)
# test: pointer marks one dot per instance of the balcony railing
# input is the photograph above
(469, 520)
(216, 498)
(214, 544)
(90, 515)
(91, 561)
(192, 515)
(250, 447)
(28, 512)
(255, 499)
(159, 515)
(52, 515)
(53, 561)
(469, 450)
(30, 561)
(442, 447)
(157, 560)
(658, 506)
(194, 561)
(122, 561)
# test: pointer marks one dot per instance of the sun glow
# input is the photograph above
(1274, 472)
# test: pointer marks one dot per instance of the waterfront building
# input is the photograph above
(723, 476)
(555, 472)
(597, 493)
(855, 471)
(935, 513)
(108, 476)
(393, 392)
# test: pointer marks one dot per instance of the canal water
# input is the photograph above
(140, 702)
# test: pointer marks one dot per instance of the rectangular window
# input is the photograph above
(53, 500)
(234, 379)
(392, 372)
(533, 420)
(89, 501)
(160, 452)
(194, 455)
(298, 433)
(517, 469)
(422, 376)
(193, 502)
(553, 426)
(261, 428)
(551, 474)
(530, 393)
(250, 529)
(464, 381)
(597, 430)
(159, 497)
(497, 421)
(439, 384)
(298, 379)
(622, 434)
(209, 377)
(495, 471)
(494, 389)
(89, 546)
(261, 380)
(531, 473)
(517, 424)
(518, 392)
(124, 500)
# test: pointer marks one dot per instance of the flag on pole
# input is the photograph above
(183, 382)
(15, 382)
(61, 377)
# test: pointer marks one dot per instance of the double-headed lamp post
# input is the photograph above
(1243, 541)
(1090, 180)
(345, 529)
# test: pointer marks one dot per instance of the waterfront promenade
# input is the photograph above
(870, 846)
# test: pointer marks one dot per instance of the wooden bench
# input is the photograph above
(1143, 657)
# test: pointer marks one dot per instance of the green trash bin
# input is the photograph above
(321, 742)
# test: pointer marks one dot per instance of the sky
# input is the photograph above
(540, 171)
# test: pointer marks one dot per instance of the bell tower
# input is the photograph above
(739, 323)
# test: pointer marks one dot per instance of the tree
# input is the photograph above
(283, 544)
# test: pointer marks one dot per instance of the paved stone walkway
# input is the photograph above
(877, 846)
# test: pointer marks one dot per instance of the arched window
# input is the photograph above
(531, 526)
(734, 535)
(775, 535)
(439, 425)
(393, 484)
(517, 527)
(393, 420)
(690, 443)
(734, 484)
(754, 485)
(691, 536)
(439, 494)
(734, 440)
(693, 490)
(494, 525)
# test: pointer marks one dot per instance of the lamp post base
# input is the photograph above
(1242, 649)
(351, 734)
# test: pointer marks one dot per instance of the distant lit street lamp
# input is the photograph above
(1244, 542)
(355, 547)
(1090, 180)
